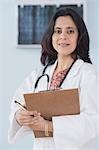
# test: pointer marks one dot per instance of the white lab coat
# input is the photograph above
(71, 132)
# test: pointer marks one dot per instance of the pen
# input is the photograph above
(20, 105)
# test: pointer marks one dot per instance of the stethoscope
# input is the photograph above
(42, 75)
(48, 78)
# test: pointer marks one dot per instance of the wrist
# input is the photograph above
(50, 126)
(46, 129)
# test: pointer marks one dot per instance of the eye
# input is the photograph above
(70, 31)
(58, 31)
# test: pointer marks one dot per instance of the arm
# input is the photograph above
(76, 131)
(16, 130)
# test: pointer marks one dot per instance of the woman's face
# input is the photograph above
(65, 36)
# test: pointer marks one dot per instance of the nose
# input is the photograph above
(64, 35)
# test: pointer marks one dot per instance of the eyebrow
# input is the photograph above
(66, 28)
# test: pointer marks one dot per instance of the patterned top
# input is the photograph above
(56, 79)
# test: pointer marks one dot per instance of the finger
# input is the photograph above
(25, 117)
(26, 121)
(37, 120)
(39, 114)
(31, 121)
(35, 113)
(27, 113)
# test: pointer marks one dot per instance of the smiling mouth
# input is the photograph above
(63, 44)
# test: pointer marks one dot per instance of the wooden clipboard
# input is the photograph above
(53, 103)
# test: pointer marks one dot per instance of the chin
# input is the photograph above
(65, 53)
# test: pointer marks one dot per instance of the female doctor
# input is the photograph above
(65, 55)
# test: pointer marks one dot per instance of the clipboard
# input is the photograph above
(53, 103)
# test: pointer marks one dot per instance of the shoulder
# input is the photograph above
(37, 71)
(32, 76)
(89, 73)
(85, 67)
(88, 68)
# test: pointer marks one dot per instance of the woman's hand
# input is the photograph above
(39, 124)
(33, 120)
(25, 117)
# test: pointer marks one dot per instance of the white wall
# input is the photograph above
(93, 28)
(97, 33)
(16, 64)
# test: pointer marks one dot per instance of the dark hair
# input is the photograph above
(49, 54)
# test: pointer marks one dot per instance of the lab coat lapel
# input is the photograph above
(75, 68)
(73, 71)
(50, 70)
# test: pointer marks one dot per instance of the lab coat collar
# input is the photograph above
(73, 71)
(75, 68)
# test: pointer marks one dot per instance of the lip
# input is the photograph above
(63, 44)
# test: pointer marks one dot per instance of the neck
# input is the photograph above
(64, 63)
